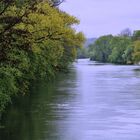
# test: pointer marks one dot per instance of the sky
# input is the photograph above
(102, 17)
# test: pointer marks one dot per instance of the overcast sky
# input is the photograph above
(100, 17)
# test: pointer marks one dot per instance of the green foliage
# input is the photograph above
(36, 41)
(135, 47)
(101, 49)
(128, 55)
(8, 85)
(136, 35)
(136, 54)
(83, 53)
(119, 46)
(114, 49)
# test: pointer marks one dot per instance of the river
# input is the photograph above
(94, 101)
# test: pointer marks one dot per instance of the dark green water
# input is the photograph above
(92, 102)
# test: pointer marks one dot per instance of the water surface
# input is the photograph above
(94, 101)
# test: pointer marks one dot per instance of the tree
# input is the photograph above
(114, 49)
(36, 41)
(128, 55)
(136, 54)
(136, 35)
(101, 49)
(119, 46)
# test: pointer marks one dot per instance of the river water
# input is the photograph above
(94, 101)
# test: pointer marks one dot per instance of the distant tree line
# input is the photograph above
(83, 52)
(121, 49)
(36, 41)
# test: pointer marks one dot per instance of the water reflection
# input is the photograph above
(93, 101)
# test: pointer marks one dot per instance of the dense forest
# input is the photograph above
(37, 40)
(121, 49)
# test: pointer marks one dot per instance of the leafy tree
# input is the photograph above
(128, 55)
(83, 53)
(36, 41)
(101, 49)
(114, 49)
(119, 46)
(136, 54)
(136, 35)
